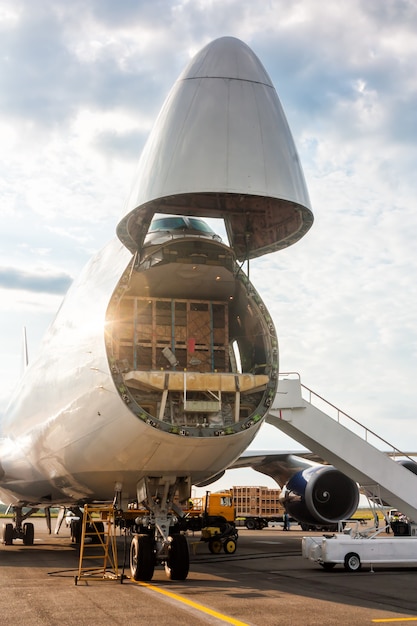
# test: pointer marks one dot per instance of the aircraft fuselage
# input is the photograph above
(103, 404)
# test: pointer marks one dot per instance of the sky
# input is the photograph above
(81, 84)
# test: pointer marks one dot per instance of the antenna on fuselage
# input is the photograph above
(25, 352)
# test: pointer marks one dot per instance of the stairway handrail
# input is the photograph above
(396, 452)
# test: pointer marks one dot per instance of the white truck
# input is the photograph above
(353, 549)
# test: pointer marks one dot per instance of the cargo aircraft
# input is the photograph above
(162, 361)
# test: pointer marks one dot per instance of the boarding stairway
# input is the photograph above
(345, 443)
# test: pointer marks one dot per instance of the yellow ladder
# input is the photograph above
(98, 549)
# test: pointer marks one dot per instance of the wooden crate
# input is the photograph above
(196, 331)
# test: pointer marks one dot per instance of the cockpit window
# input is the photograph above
(167, 223)
(199, 225)
(164, 228)
(180, 223)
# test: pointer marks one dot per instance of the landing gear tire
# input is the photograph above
(215, 546)
(76, 531)
(142, 560)
(230, 546)
(178, 562)
(28, 534)
(352, 562)
(8, 534)
(327, 566)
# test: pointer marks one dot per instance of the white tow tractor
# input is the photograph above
(354, 549)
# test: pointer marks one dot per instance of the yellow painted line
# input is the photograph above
(194, 605)
(388, 620)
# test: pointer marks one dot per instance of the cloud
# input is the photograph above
(53, 63)
(39, 282)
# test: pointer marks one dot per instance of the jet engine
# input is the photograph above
(320, 495)
(409, 464)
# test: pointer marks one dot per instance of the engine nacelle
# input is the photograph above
(320, 495)
(409, 464)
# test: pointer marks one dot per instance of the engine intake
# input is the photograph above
(320, 495)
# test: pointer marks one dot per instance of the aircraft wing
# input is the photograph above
(278, 465)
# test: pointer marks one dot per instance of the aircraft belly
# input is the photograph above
(80, 455)
(128, 449)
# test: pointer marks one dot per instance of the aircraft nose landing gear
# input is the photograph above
(157, 543)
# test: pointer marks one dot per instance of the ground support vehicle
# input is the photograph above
(354, 550)
(214, 516)
(399, 523)
(224, 536)
(254, 522)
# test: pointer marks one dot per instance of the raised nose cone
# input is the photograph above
(229, 58)
(221, 147)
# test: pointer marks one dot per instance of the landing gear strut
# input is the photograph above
(158, 542)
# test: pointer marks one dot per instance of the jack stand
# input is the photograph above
(98, 550)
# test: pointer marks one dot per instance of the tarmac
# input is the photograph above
(266, 582)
